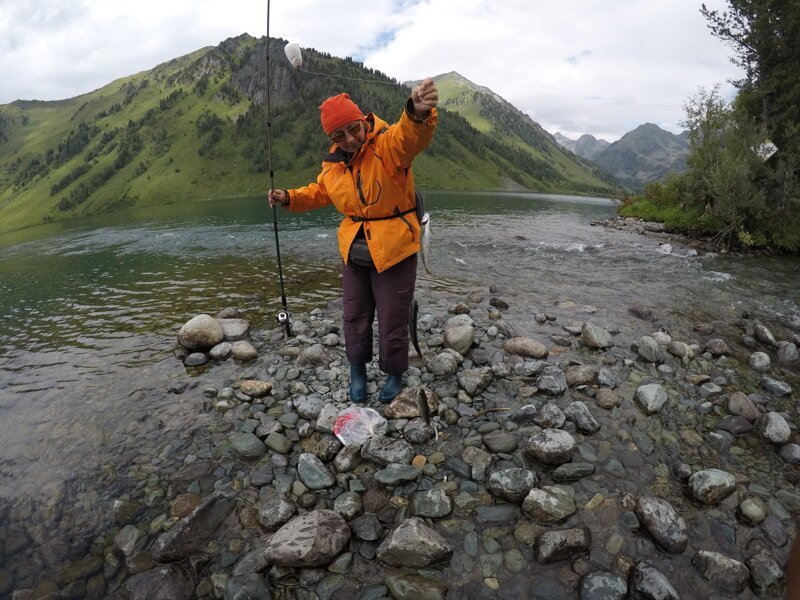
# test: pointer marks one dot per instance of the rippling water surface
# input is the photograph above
(89, 310)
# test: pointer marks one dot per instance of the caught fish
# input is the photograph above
(422, 406)
(425, 241)
(413, 311)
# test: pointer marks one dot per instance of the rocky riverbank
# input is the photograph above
(584, 459)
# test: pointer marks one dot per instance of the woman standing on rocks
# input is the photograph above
(367, 177)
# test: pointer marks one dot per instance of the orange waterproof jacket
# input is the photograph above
(376, 182)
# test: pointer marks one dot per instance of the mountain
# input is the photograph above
(587, 146)
(194, 128)
(564, 141)
(646, 154)
(490, 113)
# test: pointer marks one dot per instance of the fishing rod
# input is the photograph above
(283, 315)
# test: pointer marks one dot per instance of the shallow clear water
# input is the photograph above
(89, 310)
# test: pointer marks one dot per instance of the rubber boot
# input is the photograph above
(394, 381)
(358, 383)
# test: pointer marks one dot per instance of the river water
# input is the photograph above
(89, 310)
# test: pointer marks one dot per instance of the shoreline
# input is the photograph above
(551, 451)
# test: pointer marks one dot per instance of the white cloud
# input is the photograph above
(576, 66)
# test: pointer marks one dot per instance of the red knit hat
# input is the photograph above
(338, 111)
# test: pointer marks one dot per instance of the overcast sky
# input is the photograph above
(575, 66)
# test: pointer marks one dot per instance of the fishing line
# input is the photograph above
(295, 56)
(282, 316)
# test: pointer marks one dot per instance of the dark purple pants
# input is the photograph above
(390, 292)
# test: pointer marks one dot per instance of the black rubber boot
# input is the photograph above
(358, 383)
(394, 381)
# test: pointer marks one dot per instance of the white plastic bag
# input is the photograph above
(355, 425)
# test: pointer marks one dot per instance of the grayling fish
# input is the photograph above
(425, 241)
(422, 405)
(413, 311)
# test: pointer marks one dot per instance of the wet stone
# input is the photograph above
(526, 347)
(759, 361)
(499, 514)
(275, 511)
(791, 453)
(394, 474)
(579, 413)
(309, 407)
(648, 583)
(348, 505)
(554, 546)
(195, 359)
(663, 523)
(721, 571)
(367, 527)
(773, 386)
(385, 450)
(649, 349)
(413, 544)
(550, 416)
(552, 381)
(607, 398)
(433, 504)
(404, 585)
(603, 586)
(711, 486)
(511, 485)
(247, 446)
(551, 447)
(248, 585)
(278, 442)
(774, 428)
(595, 337)
(736, 425)
(766, 574)
(310, 540)
(651, 397)
(500, 442)
(572, 472)
(313, 473)
(549, 504)
(775, 530)
(192, 532)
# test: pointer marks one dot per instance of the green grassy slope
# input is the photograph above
(194, 128)
(491, 114)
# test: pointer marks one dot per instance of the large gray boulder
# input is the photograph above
(202, 332)
(413, 544)
(310, 540)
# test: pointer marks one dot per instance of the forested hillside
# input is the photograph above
(194, 128)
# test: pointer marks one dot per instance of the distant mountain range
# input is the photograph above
(194, 128)
(646, 154)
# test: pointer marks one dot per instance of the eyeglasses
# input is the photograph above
(337, 137)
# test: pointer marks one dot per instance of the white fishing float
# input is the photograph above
(295, 55)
